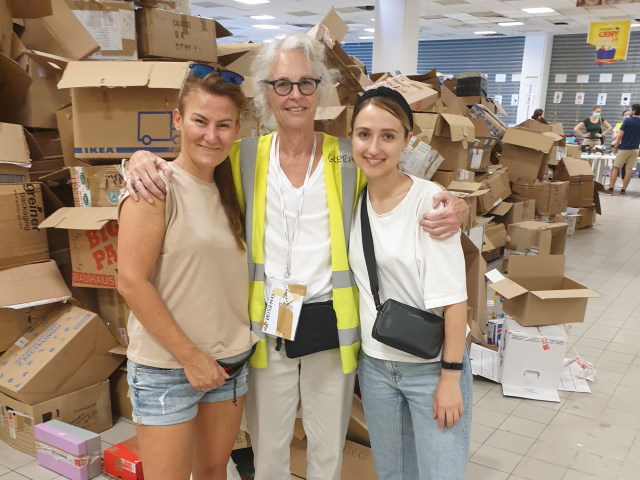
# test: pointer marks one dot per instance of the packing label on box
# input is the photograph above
(59, 454)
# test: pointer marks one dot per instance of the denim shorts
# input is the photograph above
(164, 396)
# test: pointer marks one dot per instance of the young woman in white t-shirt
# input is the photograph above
(418, 411)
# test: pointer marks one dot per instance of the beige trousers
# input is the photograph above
(317, 383)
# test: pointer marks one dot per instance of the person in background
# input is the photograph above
(418, 411)
(538, 114)
(626, 114)
(298, 188)
(182, 270)
(626, 148)
(593, 125)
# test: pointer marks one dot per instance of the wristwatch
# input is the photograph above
(451, 366)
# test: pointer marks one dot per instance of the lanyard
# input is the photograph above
(290, 237)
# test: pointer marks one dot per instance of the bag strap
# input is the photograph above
(369, 252)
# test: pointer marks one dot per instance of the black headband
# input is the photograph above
(390, 94)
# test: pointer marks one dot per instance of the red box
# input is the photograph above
(123, 460)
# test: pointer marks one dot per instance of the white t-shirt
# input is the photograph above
(413, 268)
(311, 260)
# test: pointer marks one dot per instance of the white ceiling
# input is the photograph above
(440, 19)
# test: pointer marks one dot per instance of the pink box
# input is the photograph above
(68, 450)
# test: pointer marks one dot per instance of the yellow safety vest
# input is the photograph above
(249, 163)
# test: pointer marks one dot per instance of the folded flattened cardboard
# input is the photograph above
(88, 408)
(543, 238)
(26, 293)
(67, 351)
(332, 121)
(112, 25)
(531, 360)
(551, 197)
(238, 57)
(514, 212)
(172, 35)
(524, 154)
(14, 86)
(93, 239)
(115, 313)
(357, 461)
(43, 99)
(73, 452)
(121, 107)
(496, 127)
(452, 138)
(60, 33)
(538, 293)
(13, 145)
(21, 211)
(6, 28)
(475, 267)
(30, 8)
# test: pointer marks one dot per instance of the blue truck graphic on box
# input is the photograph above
(152, 127)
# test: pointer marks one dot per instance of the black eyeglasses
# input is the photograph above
(201, 70)
(284, 87)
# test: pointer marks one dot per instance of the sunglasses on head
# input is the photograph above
(201, 70)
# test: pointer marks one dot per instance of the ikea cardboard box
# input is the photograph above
(514, 211)
(88, 408)
(21, 211)
(531, 359)
(540, 237)
(111, 23)
(452, 137)
(68, 351)
(93, 239)
(26, 295)
(121, 107)
(551, 197)
(525, 154)
(538, 293)
(173, 35)
(60, 33)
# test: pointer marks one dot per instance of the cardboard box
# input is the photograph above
(73, 452)
(123, 460)
(495, 236)
(496, 182)
(480, 154)
(475, 268)
(93, 239)
(581, 194)
(172, 35)
(573, 151)
(419, 96)
(13, 89)
(6, 28)
(120, 395)
(357, 461)
(452, 137)
(471, 199)
(495, 126)
(88, 408)
(21, 211)
(43, 99)
(531, 359)
(551, 197)
(68, 351)
(544, 238)
(587, 217)
(98, 186)
(30, 8)
(238, 57)
(14, 173)
(112, 25)
(514, 212)
(419, 158)
(60, 34)
(573, 170)
(115, 122)
(357, 430)
(26, 295)
(524, 153)
(538, 293)
(332, 121)
(115, 313)
(13, 145)
(558, 150)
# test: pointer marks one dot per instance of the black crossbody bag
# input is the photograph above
(397, 324)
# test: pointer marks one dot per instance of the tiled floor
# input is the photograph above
(584, 437)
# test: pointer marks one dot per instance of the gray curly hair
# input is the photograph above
(314, 52)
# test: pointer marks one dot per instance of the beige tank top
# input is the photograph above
(201, 275)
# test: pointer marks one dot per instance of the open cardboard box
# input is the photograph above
(573, 170)
(525, 154)
(545, 238)
(514, 211)
(538, 293)
(452, 137)
(551, 198)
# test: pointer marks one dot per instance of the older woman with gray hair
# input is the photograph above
(298, 189)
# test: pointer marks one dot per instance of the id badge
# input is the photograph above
(283, 307)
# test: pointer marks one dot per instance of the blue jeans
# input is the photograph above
(398, 405)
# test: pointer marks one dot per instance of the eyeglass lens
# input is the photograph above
(306, 85)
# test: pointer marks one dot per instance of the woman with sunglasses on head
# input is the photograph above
(418, 409)
(298, 188)
(182, 270)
